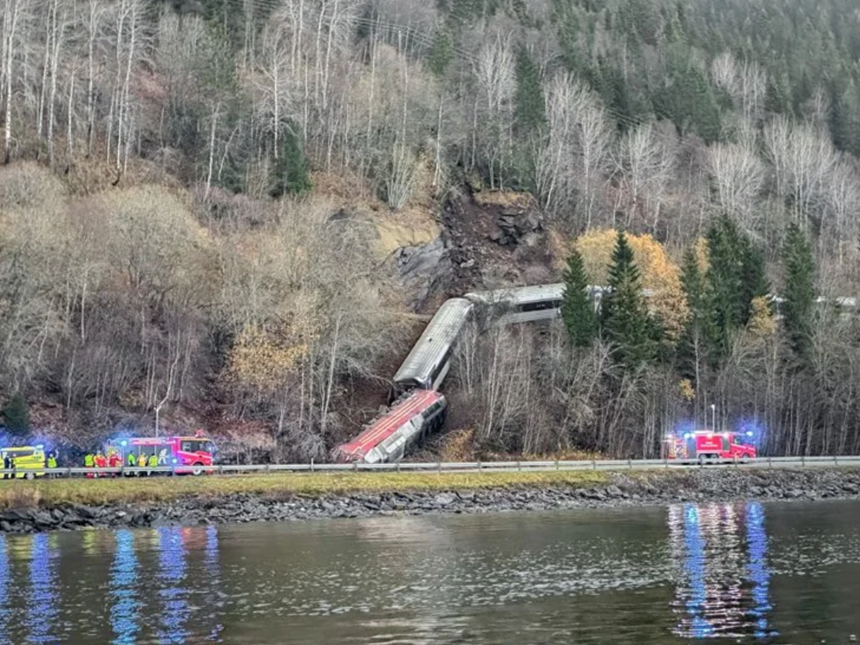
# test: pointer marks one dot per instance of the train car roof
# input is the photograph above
(442, 331)
(387, 425)
(519, 295)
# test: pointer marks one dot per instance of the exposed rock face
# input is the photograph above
(424, 268)
(622, 489)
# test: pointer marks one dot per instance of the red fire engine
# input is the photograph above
(196, 451)
(705, 444)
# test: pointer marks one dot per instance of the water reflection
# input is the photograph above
(4, 584)
(124, 604)
(724, 579)
(42, 605)
(213, 571)
(173, 592)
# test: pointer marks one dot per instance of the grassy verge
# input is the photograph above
(29, 494)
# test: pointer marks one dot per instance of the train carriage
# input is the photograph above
(428, 363)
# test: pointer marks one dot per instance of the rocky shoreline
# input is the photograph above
(621, 489)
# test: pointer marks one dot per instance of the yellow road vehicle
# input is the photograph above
(28, 461)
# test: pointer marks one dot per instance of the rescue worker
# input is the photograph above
(52, 463)
(89, 462)
(153, 462)
(131, 462)
(114, 461)
(141, 463)
(7, 465)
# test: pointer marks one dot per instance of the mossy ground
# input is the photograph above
(28, 494)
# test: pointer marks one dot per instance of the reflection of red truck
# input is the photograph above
(704, 444)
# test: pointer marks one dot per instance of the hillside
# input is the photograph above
(239, 213)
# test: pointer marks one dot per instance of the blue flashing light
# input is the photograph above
(123, 443)
(749, 434)
(687, 435)
(175, 461)
(40, 447)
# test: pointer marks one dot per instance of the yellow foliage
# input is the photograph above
(761, 323)
(458, 445)
(263, 358)
(702, 255)
(659, 273)
(687, 391)
(504, 198)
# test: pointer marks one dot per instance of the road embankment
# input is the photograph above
(27, 507)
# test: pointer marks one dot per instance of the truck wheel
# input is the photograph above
(30, 476)
(198, 469)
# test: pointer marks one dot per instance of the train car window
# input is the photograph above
(537, 306)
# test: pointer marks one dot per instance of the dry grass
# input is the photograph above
(504, 198)
(49, 493)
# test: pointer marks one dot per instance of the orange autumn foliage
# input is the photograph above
(659, 273)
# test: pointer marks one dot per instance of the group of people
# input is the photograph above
(114, 460)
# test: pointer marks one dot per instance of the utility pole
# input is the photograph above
(713, 417)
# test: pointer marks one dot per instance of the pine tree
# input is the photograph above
(577, 310)
(693, 348)
(290, 170)
(736, 276)
(799, 291)
(626, 323)
(16, 416)
(754, 280)
(530, 111)
(441, 52)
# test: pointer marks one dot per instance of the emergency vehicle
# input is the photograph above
(706, 444)
(196, 451)
(28, 461)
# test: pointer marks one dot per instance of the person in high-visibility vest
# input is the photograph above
(153, 461)
(131, 462)
(89, 462)
(141, 463)
(52, 463)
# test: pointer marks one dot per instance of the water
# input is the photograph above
(728, 572)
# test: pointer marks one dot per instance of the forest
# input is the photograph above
(179, 242)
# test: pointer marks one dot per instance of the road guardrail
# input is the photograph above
(423, 466)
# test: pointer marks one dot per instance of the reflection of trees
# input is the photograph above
(5, 575)
(723, 579)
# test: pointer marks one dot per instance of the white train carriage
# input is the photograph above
(428, 363)
(521, 304)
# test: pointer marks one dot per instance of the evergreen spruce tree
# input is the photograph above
(693, 347)
(16, 416)
(577, 309)
(441, 52)
(754, 280)
(290, 170)
(736, 276)
(627, 325)
(799, 292)
(530, 110)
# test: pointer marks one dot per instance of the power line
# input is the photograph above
(427, 40)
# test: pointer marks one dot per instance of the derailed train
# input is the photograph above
(429, 362)
(421, 408)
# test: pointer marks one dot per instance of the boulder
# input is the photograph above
(444, 499)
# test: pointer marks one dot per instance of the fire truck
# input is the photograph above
(196, 452)
(706, 444)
